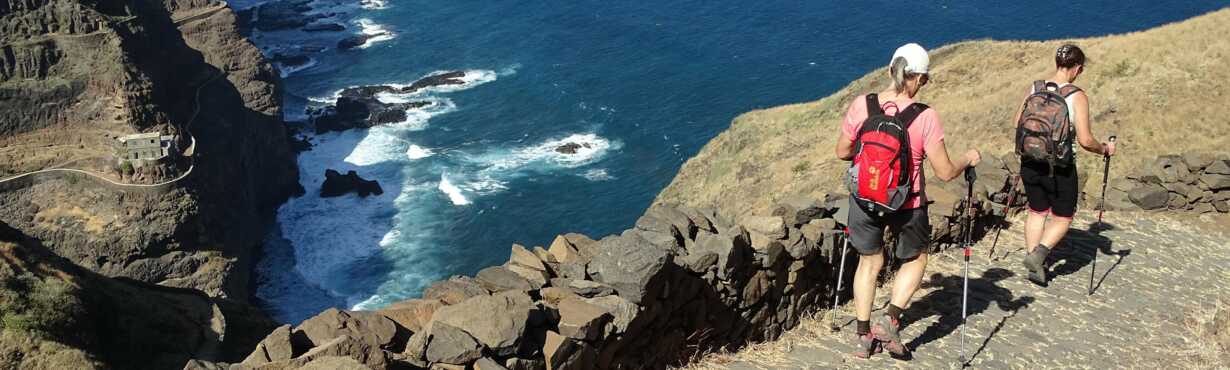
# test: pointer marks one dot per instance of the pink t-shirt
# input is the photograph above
(925, 130)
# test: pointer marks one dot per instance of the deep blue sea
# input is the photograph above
(645, 83)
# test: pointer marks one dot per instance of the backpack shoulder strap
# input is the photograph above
(1039, 86)
(873, 105)
(912, 112)
(1069, 90)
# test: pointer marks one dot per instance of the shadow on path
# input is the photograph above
(1077, 249)
(946, 303)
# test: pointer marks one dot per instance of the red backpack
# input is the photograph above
(879, 178)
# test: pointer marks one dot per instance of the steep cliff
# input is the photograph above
(55, 315)
(74, 75)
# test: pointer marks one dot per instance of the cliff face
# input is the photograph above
(55, 315)
(1155, 89)
(76, 74)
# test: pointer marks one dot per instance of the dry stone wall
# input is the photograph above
(681, 281)
(1197, 181)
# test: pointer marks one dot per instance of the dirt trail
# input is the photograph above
(1158, 277)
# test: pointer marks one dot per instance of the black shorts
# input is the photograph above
(1056, 194)
(911, 226)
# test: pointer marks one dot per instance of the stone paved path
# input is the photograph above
(1153, 271)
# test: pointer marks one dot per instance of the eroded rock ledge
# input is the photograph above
(682, 280)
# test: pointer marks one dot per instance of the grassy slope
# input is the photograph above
(1160, 91)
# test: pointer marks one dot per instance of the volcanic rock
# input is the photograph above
(337, 184)
(496, 321)
(571, 148)
(451, 345)
(629, 265)
(367, 327)
(324, 27)
(454, 290)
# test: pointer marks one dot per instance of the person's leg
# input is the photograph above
(1038, 203)
(1063, 204)
(867, 238)
(909, 278)
(865, 284)
(1035, 224)
(1055, 231)
(913, 235)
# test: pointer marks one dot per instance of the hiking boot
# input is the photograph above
(867, 345)
(884, 328)
(1036, 264)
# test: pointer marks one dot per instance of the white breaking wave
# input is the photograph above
(374, 4)
(375, 32)
(597, 174)
(418, 152)
(453, 192)
(286, 71)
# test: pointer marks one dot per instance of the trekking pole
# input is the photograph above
(970, 177)
(1000, 227)
(845, 247)
(1093, 266)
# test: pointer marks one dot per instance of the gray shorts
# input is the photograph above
(911, 226)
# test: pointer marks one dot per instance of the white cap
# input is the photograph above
(915, 56)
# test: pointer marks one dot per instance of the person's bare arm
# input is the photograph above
(845, 147)
(1084, 131)
(945, 168)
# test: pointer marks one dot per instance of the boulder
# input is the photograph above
(454, 290)
(1215, 182)
(352, 42)
(1169, 168)
(571, 147)
(486, 363)
(802, 247)
(523, 257)
(799, 209)
(342, 346)
(451, 345)
(536, 278)
(337, 184)
(697, 261)
(524, 364)
(496, 321)
(733, 248)
(1149, 196)
(630, 265)
(772, 227)
(1204, 208)
(1198, 160)
(544, 255)
(661, 219)
(698, 217)
(553, 295)
(1118, 200)
(1218, 167)
(500, 278)
(1221, 206)
(413, 314)
(573, 248)
(368, 327)
(334, 363)
(563, 353)
(768, 252)
(276, 346)
(324, 27)
(623, 312)
(416, 348)
(582, 320)
(586, 288)
(671, 242)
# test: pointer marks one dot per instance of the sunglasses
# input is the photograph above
(922, 81)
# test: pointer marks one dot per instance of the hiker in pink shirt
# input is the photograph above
(902, 210)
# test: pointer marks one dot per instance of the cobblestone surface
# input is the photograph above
(1152, 271)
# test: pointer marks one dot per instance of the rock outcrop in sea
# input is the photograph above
(337, 184)
(362, 107)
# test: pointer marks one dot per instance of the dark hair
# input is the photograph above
(1069, 56)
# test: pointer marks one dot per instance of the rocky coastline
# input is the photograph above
(361, 107)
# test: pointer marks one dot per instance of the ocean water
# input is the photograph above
(646, 84)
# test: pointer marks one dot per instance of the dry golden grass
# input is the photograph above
(1160, 91)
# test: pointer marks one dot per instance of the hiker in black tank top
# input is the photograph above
(1052, 191)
